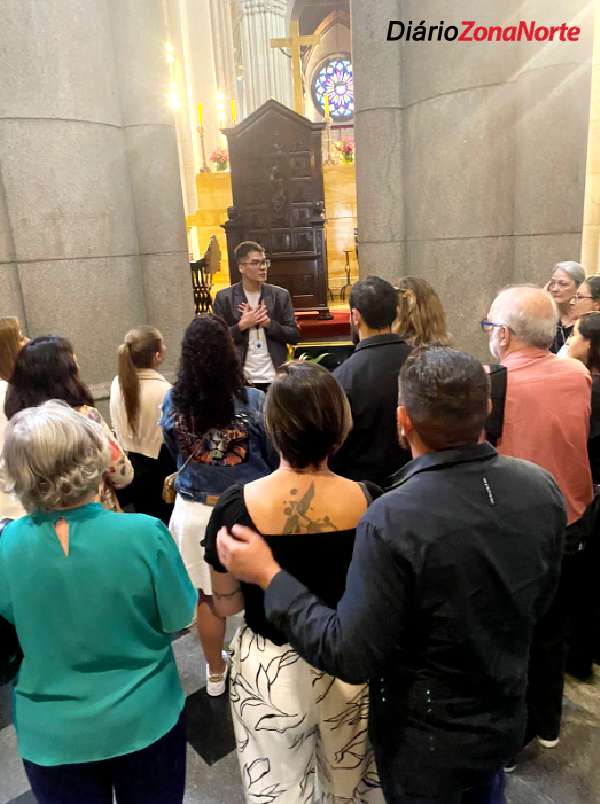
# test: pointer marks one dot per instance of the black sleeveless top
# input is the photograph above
(318, 560)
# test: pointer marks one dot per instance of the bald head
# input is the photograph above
(529, 313)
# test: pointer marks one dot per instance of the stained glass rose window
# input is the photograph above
(333, 78)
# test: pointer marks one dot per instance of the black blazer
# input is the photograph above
(370, 379)
(282, 330)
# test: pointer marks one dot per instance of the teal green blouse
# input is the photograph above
(98, 678)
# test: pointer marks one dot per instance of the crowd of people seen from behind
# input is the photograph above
(412, 539)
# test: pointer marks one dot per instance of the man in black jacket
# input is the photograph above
(451, 570)
(260, 316)
(370, 379)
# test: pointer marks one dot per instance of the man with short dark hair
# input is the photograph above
(370, 379)
(450, 572)
(260, 316)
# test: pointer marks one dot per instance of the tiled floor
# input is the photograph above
(570, 774)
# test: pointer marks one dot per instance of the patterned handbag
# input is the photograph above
(168, 492)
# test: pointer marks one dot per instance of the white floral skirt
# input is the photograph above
(301, 734)
(187, 526)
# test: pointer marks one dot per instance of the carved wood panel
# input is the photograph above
(278, 200)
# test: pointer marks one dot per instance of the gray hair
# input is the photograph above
(573, 269)
(529, 312)
(54, 456)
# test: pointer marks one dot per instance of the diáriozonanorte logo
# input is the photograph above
(472, 31)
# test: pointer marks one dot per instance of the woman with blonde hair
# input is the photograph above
(421, 319)
(11, 342)
(136, 397)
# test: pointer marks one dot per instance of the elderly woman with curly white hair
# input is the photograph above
(94, 597)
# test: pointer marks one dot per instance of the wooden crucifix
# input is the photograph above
(294, 42)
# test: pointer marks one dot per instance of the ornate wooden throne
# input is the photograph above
(278, 201)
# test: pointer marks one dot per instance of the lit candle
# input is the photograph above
(200, 115)
(326, 104)
(233, 117)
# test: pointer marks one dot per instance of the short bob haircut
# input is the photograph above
(307, 414)
(445, 393)
(54, 456)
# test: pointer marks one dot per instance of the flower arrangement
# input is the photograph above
(346, 148)
(220, 158)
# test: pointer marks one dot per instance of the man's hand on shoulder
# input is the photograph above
(247, 556)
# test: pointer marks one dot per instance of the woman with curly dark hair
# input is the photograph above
(213, 427)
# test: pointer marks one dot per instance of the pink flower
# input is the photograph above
(219, 156)
(345, 146)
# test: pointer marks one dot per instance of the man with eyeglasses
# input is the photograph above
(260, 316)
(546, 421)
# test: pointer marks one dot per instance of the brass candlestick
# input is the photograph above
(329, 160)
(204, 168)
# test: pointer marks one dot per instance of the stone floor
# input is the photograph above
(570, 774)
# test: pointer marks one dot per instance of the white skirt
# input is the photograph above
(187, 525)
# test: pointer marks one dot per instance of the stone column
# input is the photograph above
(379, 131)
(590, 247)
(92, 234)
(151, 151)
(222, 34)
(470, 156)
(11, 297)
(267, 71)
(65, 195)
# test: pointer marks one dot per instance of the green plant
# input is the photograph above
(304, 356)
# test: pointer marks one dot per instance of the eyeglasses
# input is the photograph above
(562, 284)
(258, 263)
(486, 325)
(582, 296)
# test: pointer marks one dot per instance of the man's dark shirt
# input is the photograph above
(282, 329)
(370, 379)
(451, 570)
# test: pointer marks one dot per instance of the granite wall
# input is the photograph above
(471, 156)
(92, 231)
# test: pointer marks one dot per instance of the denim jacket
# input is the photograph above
(238, 453)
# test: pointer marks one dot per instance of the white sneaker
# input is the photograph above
(548, 743)
(216, 683)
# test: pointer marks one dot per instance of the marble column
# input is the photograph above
(152, 157)
(66, 191)
(267, 71)
(222, 34)
(92, 232)
(470, 156)
(11, 296)
(590, 247)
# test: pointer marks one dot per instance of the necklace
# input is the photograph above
(562, 327)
